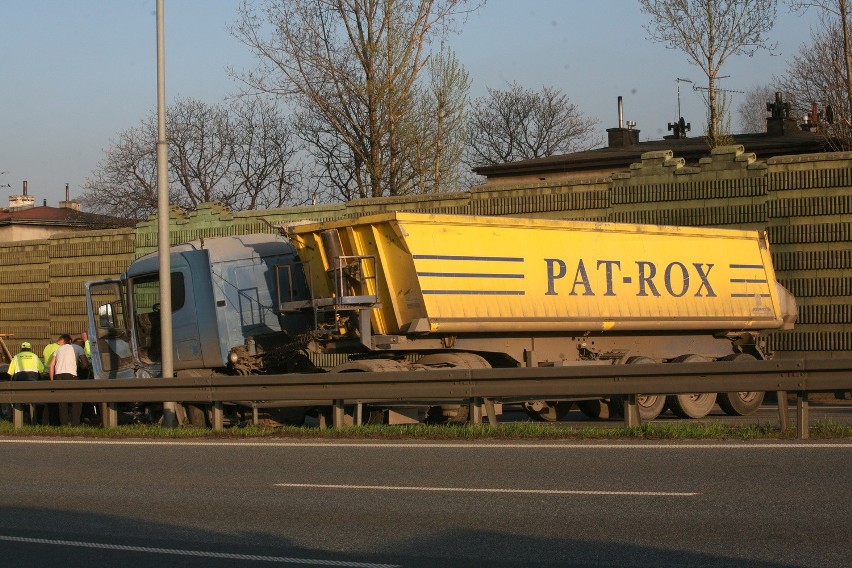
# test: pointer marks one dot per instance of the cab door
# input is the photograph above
(110, 339)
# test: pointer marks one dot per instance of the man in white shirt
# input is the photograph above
(63, 367)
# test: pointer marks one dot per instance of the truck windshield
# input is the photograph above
(145, 292)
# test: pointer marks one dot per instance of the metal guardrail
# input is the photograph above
(479, 386)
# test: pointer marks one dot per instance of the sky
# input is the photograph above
(76, 73)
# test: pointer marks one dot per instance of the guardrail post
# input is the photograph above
(802, 414)
(782, 410)
(338, 414)
(631, 412)
(218, 422)
(358, 419)
(111, 415)
(489, 410)
(476, 410)
(18, 416)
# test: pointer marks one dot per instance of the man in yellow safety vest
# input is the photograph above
(26, 366)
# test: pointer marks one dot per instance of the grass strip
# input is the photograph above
(508, 431)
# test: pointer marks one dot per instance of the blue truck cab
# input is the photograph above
(225, 296)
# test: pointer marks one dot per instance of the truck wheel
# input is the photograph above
(547, 410)
(360, 366)
(600, 409)
(451, 413)
(288, 415)
(691, 405)
(740, 403)
(650, 405)
(594, 409)
(196, 415)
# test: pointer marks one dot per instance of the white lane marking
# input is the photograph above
(636, 445)
(485, 490)
(197, 553)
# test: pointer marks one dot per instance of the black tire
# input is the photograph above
(691, 405)
(591, 408)
(197, 415)
(371, 416)
(547, 411)
(740, 403)
(288, 415)
(452, 413)
(615, 408)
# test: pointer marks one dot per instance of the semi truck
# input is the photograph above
(410, 291)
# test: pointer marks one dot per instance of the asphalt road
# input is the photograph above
(135, 503)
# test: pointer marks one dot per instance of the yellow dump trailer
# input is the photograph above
(480, 291)
(458, 274)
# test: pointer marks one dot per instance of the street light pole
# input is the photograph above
(163, 242)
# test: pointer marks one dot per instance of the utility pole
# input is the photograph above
(163, 239)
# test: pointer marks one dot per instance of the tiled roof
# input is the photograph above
(691, 149)
(62, 216)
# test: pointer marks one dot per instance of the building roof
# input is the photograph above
(618, 158)
(61, 216)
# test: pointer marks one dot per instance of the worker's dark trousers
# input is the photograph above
(69, 413)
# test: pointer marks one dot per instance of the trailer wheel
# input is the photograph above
(547, 410)
(696, 405)
(452, 413)
(650, 405)
(740, 403)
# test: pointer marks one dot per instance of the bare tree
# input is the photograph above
(821, 72)
(522, 124)
(354, 64)
(242, 157)
(264, 173)
(200, 150)
(752, 110)
(124, 183)
(337, 173)
(708, 32)
(810, 76)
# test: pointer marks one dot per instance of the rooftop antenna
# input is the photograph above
(679, 81)
(705, 89)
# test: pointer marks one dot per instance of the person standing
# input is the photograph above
(48, 352)
(82, 358)
(84, 335)
(26, 366)
(63, 367)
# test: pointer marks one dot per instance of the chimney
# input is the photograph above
(779, 122)
(621, 137)
(22, 201)
(811, 121)
(68, 204)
